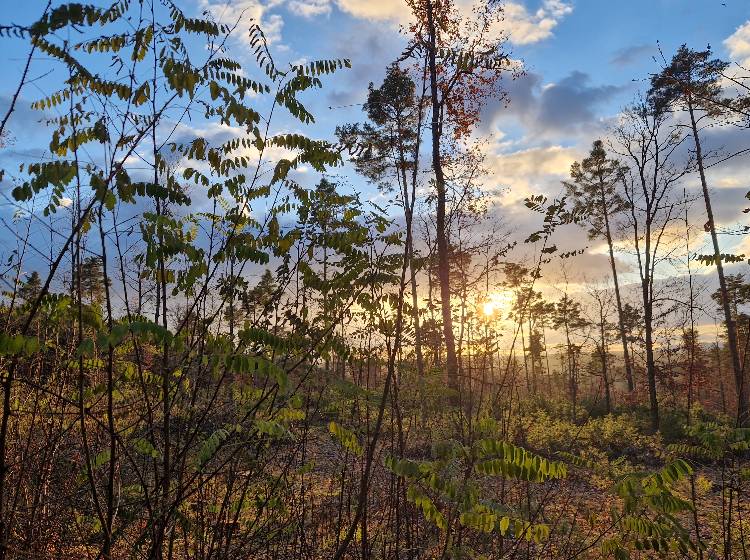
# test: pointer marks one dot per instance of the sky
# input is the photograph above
(583, 59)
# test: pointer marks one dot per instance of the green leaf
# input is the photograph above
(345, 437)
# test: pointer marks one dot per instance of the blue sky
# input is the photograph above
(581, 56)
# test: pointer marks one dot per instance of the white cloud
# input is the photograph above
(524, 28)
(531, 171)
(378, 10)
(310, 8)
(244, 13)
(738, 44)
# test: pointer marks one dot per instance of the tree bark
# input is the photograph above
(615, 280)
(650, 362)
(451, 362)
(605, 368)
(739, 377)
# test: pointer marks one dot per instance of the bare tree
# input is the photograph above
(650, 147)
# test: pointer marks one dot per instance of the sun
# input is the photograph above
(488, 308)
(496, 304)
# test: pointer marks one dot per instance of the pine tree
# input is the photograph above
(255, 301)
(691, 82)
(30, 289)
(387, 150)
(568, 317)
(595, 195)
(92, 281)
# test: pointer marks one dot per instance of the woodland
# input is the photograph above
(202, 357)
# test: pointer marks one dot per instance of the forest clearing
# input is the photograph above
(337, 279)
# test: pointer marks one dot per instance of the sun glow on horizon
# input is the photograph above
(496, 304)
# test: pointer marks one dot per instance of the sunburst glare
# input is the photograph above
(496, 304)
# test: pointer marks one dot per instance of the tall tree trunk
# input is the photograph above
(692, 340)
(415, 317)
(648, 320)
(739, 378)
(648, 317)
(573, 384)
(451, 363)
(546, 359)
(417, 326)
(525, 358)
(605, 369)
(615, 280)
(409, 202)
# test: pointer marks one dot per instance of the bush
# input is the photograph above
(617, 436)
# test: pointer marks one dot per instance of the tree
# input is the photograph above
(738, 295)
(256, 302)
(694, 364)
(568, 317)
(92, 281)
(464, 61)
(542, 313)
(602, 300)
(646, 143)
(517, 281)
(594, 190)
(248, 304)
(330, 228)
(691, 82)
(387, 149)
(528, 304)
(29, 290)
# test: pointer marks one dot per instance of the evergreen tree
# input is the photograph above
(387, 151)
(568, 317)
(255, 302)
(31, 287)
(596, 198)
(691, 82)
(92, 281)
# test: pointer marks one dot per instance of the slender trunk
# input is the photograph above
(605, 372)
(110, 497)
(409, 201)
(531, 356)
(618, 299)
(546, 359)
(451, 361)
(364, 486)
(739, 378)
(525, 359)
(410, 234)
(161, 529)
(722, 395)
(648, 319)
(571, 370)
(650, 362)
(691, 339)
